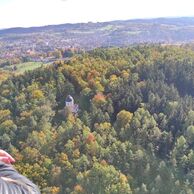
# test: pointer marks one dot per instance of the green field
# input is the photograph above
(23, 67)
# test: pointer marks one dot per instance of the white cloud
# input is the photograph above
(43, 12)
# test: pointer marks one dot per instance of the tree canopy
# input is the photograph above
(134, 132)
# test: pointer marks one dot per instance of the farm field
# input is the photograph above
(23, 67)
(18, 69)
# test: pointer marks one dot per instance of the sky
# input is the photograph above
(26, 13)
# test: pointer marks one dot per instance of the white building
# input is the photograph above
(69, 103)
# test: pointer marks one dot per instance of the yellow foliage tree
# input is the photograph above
(4, 114)
(123, 118)
(37, 94)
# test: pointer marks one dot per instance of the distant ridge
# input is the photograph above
(106, 34)
(168, 20)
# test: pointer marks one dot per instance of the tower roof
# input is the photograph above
(69, 98)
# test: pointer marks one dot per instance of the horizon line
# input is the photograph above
(95, 22)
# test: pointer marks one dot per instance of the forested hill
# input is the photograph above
(134, 132)
(115, 33)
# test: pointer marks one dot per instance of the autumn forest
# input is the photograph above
(133, 132)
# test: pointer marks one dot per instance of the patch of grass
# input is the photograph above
(23, 67)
